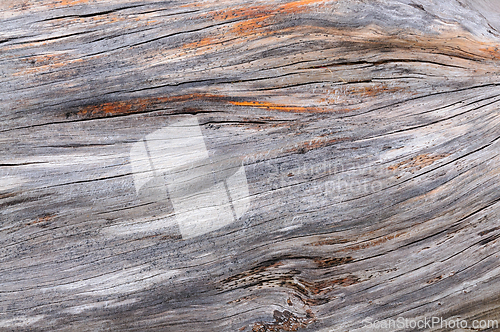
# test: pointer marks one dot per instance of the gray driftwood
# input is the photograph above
(368, 132)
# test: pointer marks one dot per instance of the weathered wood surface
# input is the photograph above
(369, 135)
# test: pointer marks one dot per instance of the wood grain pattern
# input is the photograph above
(369, 135)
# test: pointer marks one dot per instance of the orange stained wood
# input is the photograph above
(45, 59)
(250, 26)
(65, 3)
(373, 91)
(326, 286)
(252, 20)
(240, 13)
(202, 42)
(139, 104)
(256, 17)
(418, 162)
(298, 6)
(375, 242)
(492, 52)
(264, 10)
(259, 18)
(46, 67)
(278, 107)
(41, 220)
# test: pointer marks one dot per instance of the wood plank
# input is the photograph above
(248, 166)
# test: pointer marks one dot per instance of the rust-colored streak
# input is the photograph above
(330, 262)
(436, 279)
(256, 21)
(328, 242)
(244, 298)
(240, 13)
(252, 19)
(250, 26)
(278, 107)
(66, 3)
(41, 221)
(325, 286)
(483, 233)
(417, 163)
(285, 321)
(262, 16)
(299, 6)
(201, 43)
(254, 271)
(441, 277)
(6, 195)
(263, 11)
(277, 274)
(375, 242)
(316, 302)
(114, 108)
(45, 59)
(491, 52)
(373, 91)
(139, 105)
(45, 63)
(350, 94)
